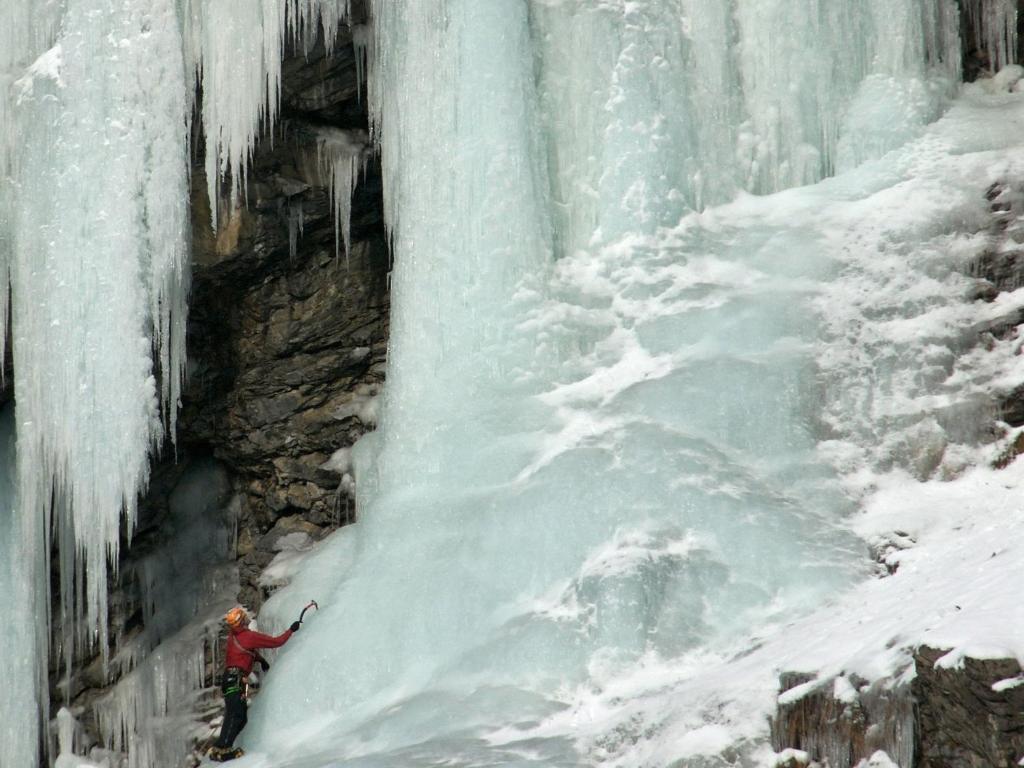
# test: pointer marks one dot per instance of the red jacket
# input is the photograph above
(241, 643)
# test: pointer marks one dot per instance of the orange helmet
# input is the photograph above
(236, 617)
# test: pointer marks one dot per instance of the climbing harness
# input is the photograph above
(234, 682)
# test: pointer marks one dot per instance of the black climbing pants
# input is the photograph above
(236, 710)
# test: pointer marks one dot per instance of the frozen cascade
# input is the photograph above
(96, 99)
(580, 130)
(599, 436)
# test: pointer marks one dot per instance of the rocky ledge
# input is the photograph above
(943, 712)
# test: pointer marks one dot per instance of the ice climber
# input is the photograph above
(242, 652)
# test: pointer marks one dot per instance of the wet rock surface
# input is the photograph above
(966, 715)
(287, 331)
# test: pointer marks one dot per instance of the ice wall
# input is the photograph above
(625, 378)
(96, 104)
(20, 569)
(598, 444)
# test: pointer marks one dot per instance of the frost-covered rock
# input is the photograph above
(948, 710)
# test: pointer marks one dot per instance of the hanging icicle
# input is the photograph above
(96, 100)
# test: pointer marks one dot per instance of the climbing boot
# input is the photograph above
(221, 755)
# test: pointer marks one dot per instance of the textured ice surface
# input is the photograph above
(606, 470)
(96, 101)
(598, 459)
(20, 561)
(99, 278)
(897, 235)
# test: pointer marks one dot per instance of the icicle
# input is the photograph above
(296, 222)
(148, 714)
(23, 697)
(995, 30)
(241, 45)
(362, 41)
(343, 156)
(162, 668)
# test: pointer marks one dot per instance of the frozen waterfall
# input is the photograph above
(96, 102)
(600, 442)
(610, 433)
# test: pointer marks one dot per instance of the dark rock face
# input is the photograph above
(287, 335)
(962, 721)
(967, 717)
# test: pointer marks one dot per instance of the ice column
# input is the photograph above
(995, 29)
(461, 135)
(21, 542)
(99, 276)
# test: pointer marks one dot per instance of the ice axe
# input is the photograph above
(312, 604)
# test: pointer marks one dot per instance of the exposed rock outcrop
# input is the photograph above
(965, 715)
(288, 332)
(999, 269)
